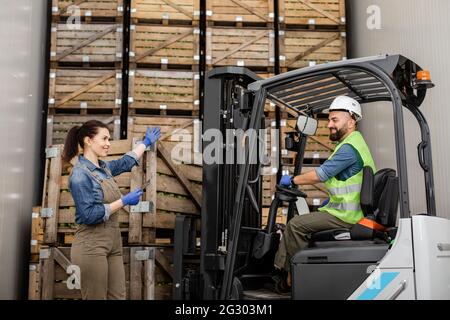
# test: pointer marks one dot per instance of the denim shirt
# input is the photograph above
(345, 163)
(87, 192)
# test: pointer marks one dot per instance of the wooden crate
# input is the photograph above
(87, 10)
(59, 125)
(179, 171)
(85, 91)
(164, 92)
(137, 227)
(260, 12)
(148, 274)
(312, 12)
(164, 45)
(318, 147)
(86, 43)
(165, 11)
(249, 47)
(281, 216)
(300, 49)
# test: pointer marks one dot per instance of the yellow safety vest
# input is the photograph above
(345, 196)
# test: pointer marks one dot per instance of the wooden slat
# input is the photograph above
(163, 263)
(34, 292)
(135, 224)
(177, 171)
(47, 269)
(179, 10)
(149, 274)
(259, 11)
(149, 219)
(135, 275)
(53, 195)
(61, 259)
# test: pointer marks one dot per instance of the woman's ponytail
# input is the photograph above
(71, 144)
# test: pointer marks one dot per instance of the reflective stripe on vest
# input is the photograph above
(345, 190)
(345, 206)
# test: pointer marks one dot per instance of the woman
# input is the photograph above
(97, 247)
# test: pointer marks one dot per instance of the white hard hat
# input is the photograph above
(347, 104)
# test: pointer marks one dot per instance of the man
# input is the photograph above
(342, 175)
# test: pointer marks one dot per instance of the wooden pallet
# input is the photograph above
(249, 47)
(300, 49)
(148, 274)
(312, 12)
(179, 171)
(59, 125)
(240, 13)
(137, 227)
(165, 11)
(85, 91)
(86, 43)
(163, 92)
(87, 10)
(164, 46)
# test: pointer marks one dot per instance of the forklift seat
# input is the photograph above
(379, 203)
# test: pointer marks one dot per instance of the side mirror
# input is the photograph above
(307, 125)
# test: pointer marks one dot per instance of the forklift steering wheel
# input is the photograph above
(291, 192)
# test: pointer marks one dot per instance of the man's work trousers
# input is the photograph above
(298, 232)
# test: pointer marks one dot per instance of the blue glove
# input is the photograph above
(132, 197)
(286, 180)
(151, 135)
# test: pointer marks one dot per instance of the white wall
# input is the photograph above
(419, 30)
(22, 54)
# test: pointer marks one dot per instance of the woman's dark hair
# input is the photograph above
(75, 137)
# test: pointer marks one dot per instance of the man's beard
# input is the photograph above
(337, 136)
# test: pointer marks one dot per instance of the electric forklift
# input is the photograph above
(392, 253)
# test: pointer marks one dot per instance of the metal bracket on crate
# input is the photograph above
(142, 255)
(51, 152)
(47, 212)
(44, 254)
(143, 206)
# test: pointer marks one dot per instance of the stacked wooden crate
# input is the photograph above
(311, 32)
(240, 33)
(164, 58)
(85, 78)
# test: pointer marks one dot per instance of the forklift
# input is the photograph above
(394, 254)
